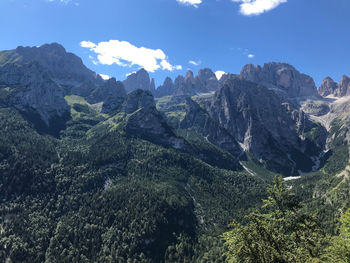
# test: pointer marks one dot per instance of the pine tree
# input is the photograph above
(280, 233)
(339, 250)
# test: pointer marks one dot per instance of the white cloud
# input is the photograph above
(105, 77)
(257, 7)
(194, 63)
(128, 74)
(87, 44)
(194, 3)
(125, 54)
(246, 52)
(93, 60)
(219, 74)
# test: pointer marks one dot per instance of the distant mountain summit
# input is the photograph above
(204, 82)
(270, 129)
(330, 87)
(282, 78)
(168, 88)
(253, 111)
(139, 80)
(63, 67)
(30, 89)
(35, 80)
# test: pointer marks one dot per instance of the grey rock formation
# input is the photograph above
(138, 80)
(315, 107)
(84, 89)
(146, 122)
(198, 120)
(152, 86)
(267, 127)
(343, 87)
(32, 90)
(40, 77)
(62, 67)
(206, 81)
(149, 124)
(282, 78)
(179, 84)
(136, 100)
(166, 89)
(185, 85)
(328, 87)
(111, 93)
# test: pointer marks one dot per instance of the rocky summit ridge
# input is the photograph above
(330, 87)
(282, 78)
(272, 112)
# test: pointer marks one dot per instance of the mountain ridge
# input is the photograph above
(140, 177)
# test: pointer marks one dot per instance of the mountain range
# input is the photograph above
(187, 156)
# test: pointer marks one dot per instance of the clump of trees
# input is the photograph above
(283, 232)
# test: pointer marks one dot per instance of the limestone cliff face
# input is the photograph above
(40, 77)
(241, 113)
(37, 79)
(198, 120)
(282, 78)
(147, 122)
(112, 93)
(267, 127)
(32, 90)
(152, 86)
(185, 85)
(139, 80)
(343, 87)
(328, 87)
(138, 99)
(62, 67)
(204, 82)
(166, 89)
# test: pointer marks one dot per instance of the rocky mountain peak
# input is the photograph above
(31, 91)
(53, 48)
(166, 89)
(189, 85)
(327, 87)
(109, 89)
(153, 86)
(205, 74)
(260, 120)
(63, 67)
(189, 76)
(138, 80)
(282, 78)
(206, 81)
(344, 86)
(168, 82)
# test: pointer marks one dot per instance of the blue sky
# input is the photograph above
(312, 35)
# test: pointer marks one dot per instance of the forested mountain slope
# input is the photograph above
(95, 170)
